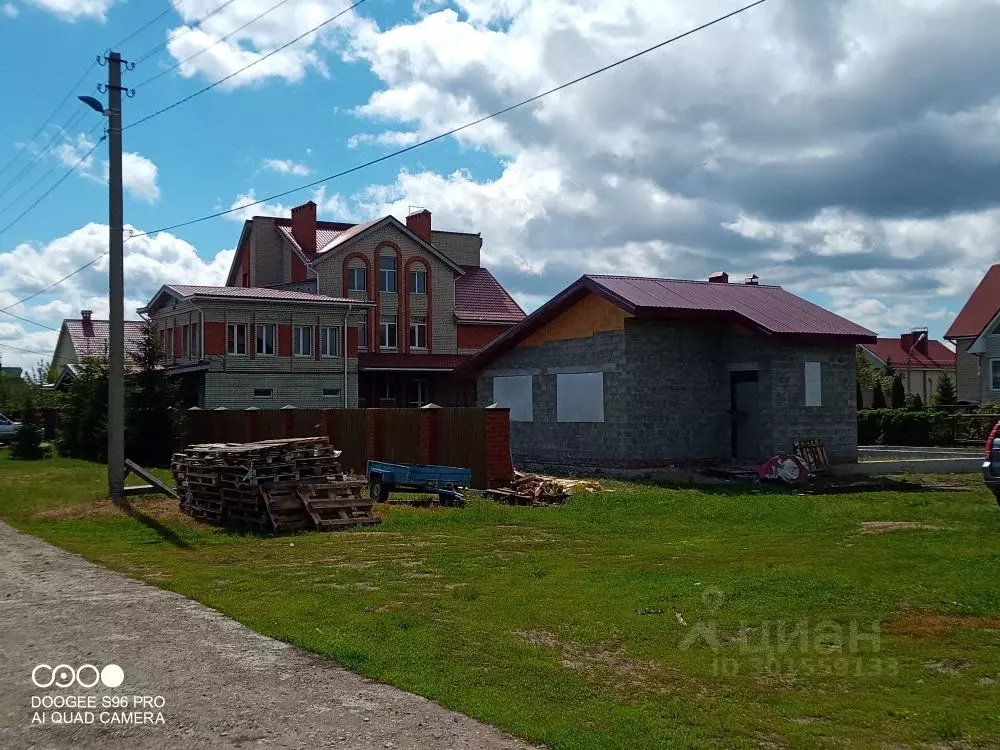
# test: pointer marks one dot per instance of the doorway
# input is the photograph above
(744, 411)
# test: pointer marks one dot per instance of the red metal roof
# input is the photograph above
(980, 308)
(416, 362)
(91, 340)
(479, 298)
(254, 292)
(938, 355)
(769, 308)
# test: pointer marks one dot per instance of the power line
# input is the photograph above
(26, 351)
(401, 151)
(26, 320)
(261, 59)
(51, 117)
(149, 53)
(146, 25)
(213, 44)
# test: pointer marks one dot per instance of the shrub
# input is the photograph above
(944, 392)
(901, 427)
(28, 443)
(914, 402)
(898, 393)
(878, 396)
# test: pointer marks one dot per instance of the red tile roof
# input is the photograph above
(938, 355)
(769, 308)
(92, 340)
(395, 361)
(980, 309)
(253, 292)
(479, 298)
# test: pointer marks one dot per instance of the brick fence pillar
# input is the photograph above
(428, 436)
(499, 467)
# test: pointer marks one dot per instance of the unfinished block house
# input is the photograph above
(329, 314)
(629, 373)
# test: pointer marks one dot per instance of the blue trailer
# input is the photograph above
(447, 482)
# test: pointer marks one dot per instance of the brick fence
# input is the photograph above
(476, 439)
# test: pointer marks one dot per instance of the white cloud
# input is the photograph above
(286, 166)
(150, 261)
(10, 10)
(72, 150)
(331, 208)
(74, 10)
(138, 177)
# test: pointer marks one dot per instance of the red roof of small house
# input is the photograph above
(767, 309)
(396, 361)
(980, 308)
(480, 298)
(938, 355)
(90, 339)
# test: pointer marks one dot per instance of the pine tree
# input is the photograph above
(152, 424)
(914, 402)
(890, 368)
(898, 393)
(83, 423)
(878, 396)
(944, 392)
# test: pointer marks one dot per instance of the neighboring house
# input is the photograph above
(425, 302)
(976, 335)
(920, 360)
(85, 337)
(239, 347)
(13, 372)
(636, 373)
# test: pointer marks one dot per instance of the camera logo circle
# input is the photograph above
(85, 676)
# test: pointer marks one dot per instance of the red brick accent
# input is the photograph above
(316, 341)
(420, 224)
(245, 264)
(252, 336)
(284, 340)
(499, 467)
(298, 267)
(371, 319)
(373, 344)
(178, 342)
(406, 300)
(215, 339)
(352, 341)
(478, 337)
(304, 227)
(428, 436)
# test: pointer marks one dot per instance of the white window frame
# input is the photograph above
(269, 394)
(329, 335)
(384, 324)
(363, 334)
(418, 273)
(185, 341)
(570, 406)
(336, 393)
(992, 380)
(195, 341)
(259, 339)
(387, 274)
(233, 339)
(364, 279)
(416, 324)
(813, 383)
(297, 349)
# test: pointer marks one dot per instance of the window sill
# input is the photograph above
(302, 356)
(330, 356)
(236, 354)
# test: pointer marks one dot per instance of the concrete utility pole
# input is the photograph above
(116, 286)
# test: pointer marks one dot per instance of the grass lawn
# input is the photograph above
(636, 618)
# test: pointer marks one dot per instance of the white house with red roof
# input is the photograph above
(318, 313)
(919, 359)
(976, 335)
(84, 337)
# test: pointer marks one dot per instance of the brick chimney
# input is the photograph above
(88, 324)
(719, 277)
(304, 226)
(419, 222)
(915, 339)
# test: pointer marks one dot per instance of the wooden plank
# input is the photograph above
(138, 470)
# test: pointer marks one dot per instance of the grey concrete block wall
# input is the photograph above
(235, 390)
(667, 396)
(968, 380)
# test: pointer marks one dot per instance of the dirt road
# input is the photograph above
(221, 684)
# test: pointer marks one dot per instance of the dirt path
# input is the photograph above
(222, 685)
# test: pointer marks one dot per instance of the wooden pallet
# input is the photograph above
(813, 454)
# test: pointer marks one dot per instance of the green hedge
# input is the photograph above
(921, 428)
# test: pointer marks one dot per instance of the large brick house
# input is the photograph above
(638, 373)
(976, 336)
(406, 303)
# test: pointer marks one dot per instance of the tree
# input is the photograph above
(890, 369)
(864, 369)
(860, 397)
(914, 402)
(83, 426)
(152, 422)
(944, 392)
(878, 395)
(29, 436)
(898, 393)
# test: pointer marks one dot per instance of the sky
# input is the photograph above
(848, 150)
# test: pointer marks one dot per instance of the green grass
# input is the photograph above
(564, 625)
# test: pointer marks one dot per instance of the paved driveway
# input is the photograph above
(221, 684)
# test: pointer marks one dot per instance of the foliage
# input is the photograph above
(944, 392)
(865, 371)
(898, 393)
(29, 437)
(914, 402)
(905, 427)
(890, 369)
(152, 421)
(878, 395)
(83, 423)
(859, 396)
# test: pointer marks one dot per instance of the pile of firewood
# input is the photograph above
(272, 485)
(540, 490)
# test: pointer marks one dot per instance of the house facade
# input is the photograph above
(919, 360)
(976, 336)
(628, 373)
(84, 337)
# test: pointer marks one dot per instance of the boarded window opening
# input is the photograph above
(814, 384)
(514, 393)
(580, 397)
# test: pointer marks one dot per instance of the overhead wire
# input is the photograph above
(163, 45)
(26, 351)
(146, 25)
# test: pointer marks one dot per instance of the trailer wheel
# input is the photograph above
(378, 490)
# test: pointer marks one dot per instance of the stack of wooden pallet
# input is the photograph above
(273, 485)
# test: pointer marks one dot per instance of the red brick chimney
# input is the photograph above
(88, 325)
(304, 226)
(719, 277)
(915, 339)
(419, 222)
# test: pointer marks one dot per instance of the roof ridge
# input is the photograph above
(677, 281)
